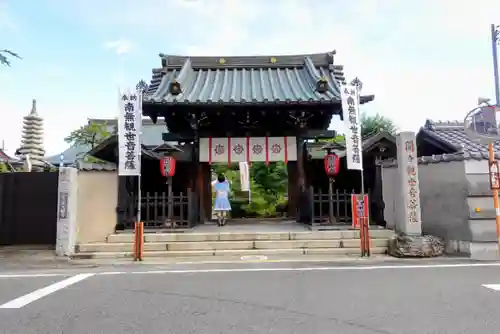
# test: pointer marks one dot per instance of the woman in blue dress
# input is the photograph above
(221, 205)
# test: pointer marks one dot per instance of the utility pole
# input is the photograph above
(495, 33)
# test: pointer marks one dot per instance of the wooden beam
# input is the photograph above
(318, 134)
(170, 136)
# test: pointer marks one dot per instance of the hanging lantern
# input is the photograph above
(332, 165)
(167, 166)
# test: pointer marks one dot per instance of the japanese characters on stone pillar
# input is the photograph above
(409, 213)
(129, 128)
(66, 211)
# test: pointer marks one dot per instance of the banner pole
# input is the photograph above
(363, 221)
(139, 178)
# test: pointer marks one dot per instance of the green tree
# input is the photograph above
(89, 136)
(5, 54)
(371, 124)
(268, 186)
(273, 178)
(4, 168)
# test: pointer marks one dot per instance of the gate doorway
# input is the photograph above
(264, 197)
(28, 208)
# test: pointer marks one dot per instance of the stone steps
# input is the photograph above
(248, 236)
(228, 245)
(345, 242)
(232, 252)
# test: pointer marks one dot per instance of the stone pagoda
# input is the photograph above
(32, 141)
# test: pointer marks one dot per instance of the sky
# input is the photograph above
(422, 59)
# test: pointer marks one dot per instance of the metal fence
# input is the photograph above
(331, 208)
(163, 211)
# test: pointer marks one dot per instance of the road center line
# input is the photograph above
(40, 293)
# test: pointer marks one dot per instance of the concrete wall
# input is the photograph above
(443, 198)
(389, 190)
(97, 202)
(482, 223)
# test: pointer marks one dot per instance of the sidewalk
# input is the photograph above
(22, 258)
(33, 257)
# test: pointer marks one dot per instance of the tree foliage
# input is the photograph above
(4, 168)
(89, 136)
(371, 124)
(268, 188)
(5, 54)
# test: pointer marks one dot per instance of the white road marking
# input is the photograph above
(339, 268)
(495, 287)
(254, 258)
(225, 270)
(40, 293)
(32, 275)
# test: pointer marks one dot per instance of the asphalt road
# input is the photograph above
(254, 298)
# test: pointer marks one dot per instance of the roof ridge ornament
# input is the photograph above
(175, 87)
(322, 84)
(33, 108)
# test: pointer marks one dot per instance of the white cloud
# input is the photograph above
(120, 46)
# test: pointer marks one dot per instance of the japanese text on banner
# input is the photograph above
(129, 129)
(350, 110)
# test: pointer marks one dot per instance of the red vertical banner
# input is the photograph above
(285, 142)
(229, 150)
(267, 151)
(209, 150)
(248, 150)
(359, 209)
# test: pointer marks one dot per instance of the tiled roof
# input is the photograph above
(453, 133)
(70, 155)
(4, 157)
(146, 150)
(368, 141)
(92, 167)
(151, 136)
(434, 159)
(247, 80)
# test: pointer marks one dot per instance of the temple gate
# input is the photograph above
(242, 109)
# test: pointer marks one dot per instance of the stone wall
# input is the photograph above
(97, 202)
(456, 205)
(443, 196)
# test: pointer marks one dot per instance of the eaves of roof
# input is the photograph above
(247, 80)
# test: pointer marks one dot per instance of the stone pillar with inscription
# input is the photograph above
(67, 211)
(408, 207)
